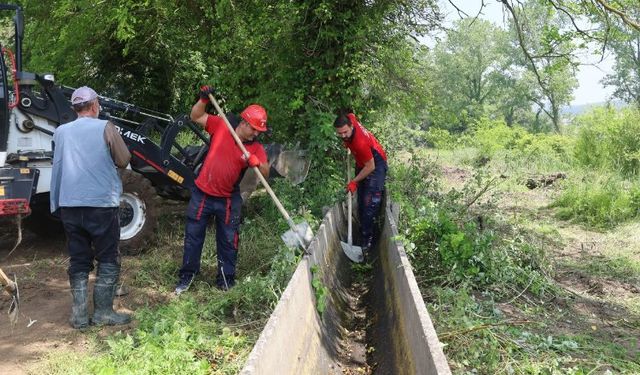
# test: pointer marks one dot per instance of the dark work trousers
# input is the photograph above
(370, 192)
(226, 213)
(93, 233)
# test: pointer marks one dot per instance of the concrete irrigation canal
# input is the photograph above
(373, 321)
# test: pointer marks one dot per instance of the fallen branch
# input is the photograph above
(542, 181)
(521, 293)
(481, 192)
(483, 326)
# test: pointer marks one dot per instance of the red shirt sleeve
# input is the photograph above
(258, 150)
(214, 123)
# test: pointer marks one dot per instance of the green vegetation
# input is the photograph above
(609, 140)
(497, 293)
(488, 98)
(604, 202)
(204, 331)
(320, 290)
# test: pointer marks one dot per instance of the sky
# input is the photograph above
(589, 75)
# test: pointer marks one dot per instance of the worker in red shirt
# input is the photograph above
(216, 193)
(371, 171)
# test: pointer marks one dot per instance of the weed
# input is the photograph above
(488, 282)
(609, 139)
(361, 271)
(603, 203)
(320, 290)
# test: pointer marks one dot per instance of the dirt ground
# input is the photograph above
(40, 266)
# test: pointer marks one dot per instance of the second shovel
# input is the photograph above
(352, 252)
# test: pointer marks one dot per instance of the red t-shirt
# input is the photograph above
(362, 143)
(223, 167)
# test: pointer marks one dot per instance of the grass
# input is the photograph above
(618, 268)
(517, 318)
(204, 331)
(484, 336)
(599, 200)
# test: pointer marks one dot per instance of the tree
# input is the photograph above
(299, 58)
(467, 72)
(607, 19)
(548, 51)
(625, 77)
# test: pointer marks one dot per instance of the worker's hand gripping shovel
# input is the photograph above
(300, 235)
(352, 252)
(11, 287)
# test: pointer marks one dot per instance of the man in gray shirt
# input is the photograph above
(85, 192)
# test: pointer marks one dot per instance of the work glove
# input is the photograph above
(253, 161)
(204, 93)
(352, 186)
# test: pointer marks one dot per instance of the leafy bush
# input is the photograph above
(544, 145)
(412, 184)
(447, 242)
(493, 135)
(442, 245)
(609, 139)
(441, 138)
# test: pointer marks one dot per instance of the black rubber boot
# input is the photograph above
(79, 283)
(103, 293)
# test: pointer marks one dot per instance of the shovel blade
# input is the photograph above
(300, 237)
(354, 253)
(293, 165)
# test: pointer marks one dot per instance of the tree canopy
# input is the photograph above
(297, 58)
(305, 59)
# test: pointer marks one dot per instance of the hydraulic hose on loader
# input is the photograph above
(300, 235)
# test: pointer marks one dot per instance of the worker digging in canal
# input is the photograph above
(371, 171)
(216, 193)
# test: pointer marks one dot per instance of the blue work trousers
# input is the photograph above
(370, 192)
(93, 234)
(226, 213)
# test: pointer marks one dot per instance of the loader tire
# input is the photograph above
(138, 213)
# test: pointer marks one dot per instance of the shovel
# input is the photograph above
(300, 235)
(352, 252)
(11, 287)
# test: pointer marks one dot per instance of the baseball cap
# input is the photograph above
(82, 95)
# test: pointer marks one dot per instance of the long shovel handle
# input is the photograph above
(349, 204)
(7, 282)
(255, 169)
